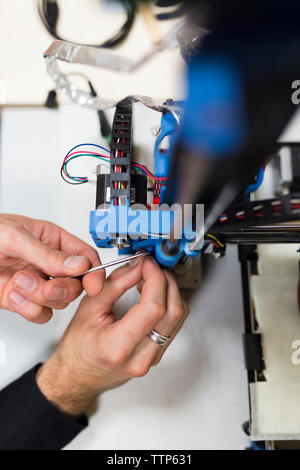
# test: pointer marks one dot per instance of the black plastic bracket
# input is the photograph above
(121, 144)
(253, 352)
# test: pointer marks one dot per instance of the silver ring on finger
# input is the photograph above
(159, 339)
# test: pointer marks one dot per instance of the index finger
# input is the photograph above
(91, 282)
(72, 245)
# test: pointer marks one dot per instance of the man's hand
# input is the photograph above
(31, 251)
(99, 352)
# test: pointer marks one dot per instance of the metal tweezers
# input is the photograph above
(125, 259)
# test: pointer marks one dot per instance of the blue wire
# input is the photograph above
(251, 188)
(255, 446)
(81, 145)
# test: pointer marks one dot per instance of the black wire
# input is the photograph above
(49, 13)
(69, 182)
(119, 37)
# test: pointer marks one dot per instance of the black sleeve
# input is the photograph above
(28, 421)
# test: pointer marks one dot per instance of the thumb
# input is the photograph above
(19, 243)
(119, 281)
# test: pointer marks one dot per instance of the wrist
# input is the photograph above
(59, 385)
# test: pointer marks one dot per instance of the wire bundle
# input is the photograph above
(214, 241)
(73, 154)
(118, 168)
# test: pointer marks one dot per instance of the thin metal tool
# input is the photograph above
(111, 263)
(226, 196)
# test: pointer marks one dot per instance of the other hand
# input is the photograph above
(31, 251)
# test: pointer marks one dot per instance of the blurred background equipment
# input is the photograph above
(49, 14)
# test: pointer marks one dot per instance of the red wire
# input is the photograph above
(90, 153)
(150, 174)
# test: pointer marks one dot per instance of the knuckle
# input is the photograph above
(9, 235)
(119, 285)
(138, 369)
(156, 309)
(117, 358)
(104, 359)
(177, 313)
(48, 251)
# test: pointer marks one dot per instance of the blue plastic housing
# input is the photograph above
(144, 229)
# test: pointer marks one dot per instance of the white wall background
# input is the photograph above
(199, 392)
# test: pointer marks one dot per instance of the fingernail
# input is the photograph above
(73, 262)
(57, 293)
(134, 262)
(17, 298)
(25, 282)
